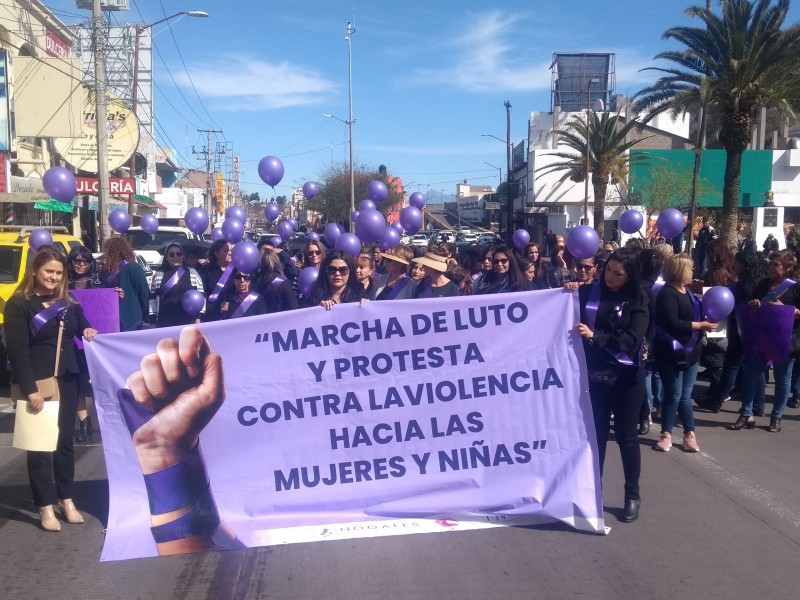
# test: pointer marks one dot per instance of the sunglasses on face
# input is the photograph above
(242, 277)
(80, 261)
(313, 253)
(584, 267)
(338, 270)
(500, 261)
(175, 255)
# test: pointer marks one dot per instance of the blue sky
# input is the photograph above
(429, 77)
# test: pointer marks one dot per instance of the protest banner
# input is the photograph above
(388, 418)
(766, 333)
(101, 308)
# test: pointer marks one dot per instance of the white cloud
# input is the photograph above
(485, 61)
(247, 83)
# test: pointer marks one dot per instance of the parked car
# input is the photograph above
(419, 239)
(469, 237)
(147, 245)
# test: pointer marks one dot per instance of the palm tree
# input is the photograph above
(608, 155)
(740, 61)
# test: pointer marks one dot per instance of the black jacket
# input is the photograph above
(258, 307)
(674, 316)
(32, 357)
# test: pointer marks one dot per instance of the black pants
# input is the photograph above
(624, 399)
(44, 467)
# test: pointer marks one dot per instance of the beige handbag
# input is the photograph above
(48, 388)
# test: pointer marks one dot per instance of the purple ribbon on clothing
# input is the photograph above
(246, 303)
(398, 287)
(273, 285)
(57, 308)
(697, 309)
(176, 276)
(223, 280)
(592, 305)
(657, 285)
(783, 287)
(110, 279)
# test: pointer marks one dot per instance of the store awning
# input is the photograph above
(53, 205)
(147, 201)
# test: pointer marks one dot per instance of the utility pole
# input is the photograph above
(509, 197)
(350, 31)
(209, 177)
(101, 129)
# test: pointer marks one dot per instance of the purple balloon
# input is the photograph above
(313, 236)
(196, 220)
(354, 215)
(583, 242)
(718, 303)
(332, 233)
(232, 230)
(670, 223)
(521, 239)
(149, 224)
(272, 212)
(217, 235)
(244, 256)
(119, 220)
(285, 230)
(193, 302)
(270, 169)
(310, 189)
(349, 243)
(389, 239)
(275, 241)
(370, 226)
(40, 238)
(416, 200)
(366, 205)
(398, 226)
(60, 184)
(236, 212)
(411, 219)
(293, 222)
(377, 191)
(631, 221)
(306, 279)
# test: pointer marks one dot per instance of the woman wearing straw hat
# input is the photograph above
(435, 284)
(395, 284)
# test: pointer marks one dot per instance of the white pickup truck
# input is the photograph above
(146, 245)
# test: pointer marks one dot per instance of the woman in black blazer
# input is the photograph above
(33, 315)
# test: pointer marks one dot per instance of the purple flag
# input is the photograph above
(101, 308)
(766, 333)
(388, 418)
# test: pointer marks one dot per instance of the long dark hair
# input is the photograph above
(517, 279)
(84, 253)
(627, 258)
(538, 262)
(753, 271)
(165, 266)
(322, 290)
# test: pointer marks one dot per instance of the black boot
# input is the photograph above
(644, 427)
(794, 401)
(85, 430)
(631, 511)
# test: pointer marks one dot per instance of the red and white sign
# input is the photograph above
(55, 46)
(116, 185)
(3, 173)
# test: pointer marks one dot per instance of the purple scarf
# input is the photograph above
(273, 285)
(57, 308)
(676, 345)
(226, 275)
(398, 287)
(592, 305)
(170, 283)
(783, 287)
(245, 305)
(111, 279)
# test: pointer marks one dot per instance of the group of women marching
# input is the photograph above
(640, 322)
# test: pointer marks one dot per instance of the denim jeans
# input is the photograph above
(753, 374)
(678, 385)
(796, 378)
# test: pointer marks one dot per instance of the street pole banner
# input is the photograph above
(386, 418)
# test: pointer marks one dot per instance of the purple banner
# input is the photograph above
(101, 307)
(766, 333)
(382, 419)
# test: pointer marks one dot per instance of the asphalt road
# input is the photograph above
(724, 523)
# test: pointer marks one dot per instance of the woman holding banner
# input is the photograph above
(119, 270)
(337, 283)
(273, 285)
(676, 349)
(242, 301)
(505, 275)
(395, 284)
(614, 320)
(777, 289)
(34, 316)
(168, 287)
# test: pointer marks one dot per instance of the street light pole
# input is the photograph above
(350, 32)
(499, 170)
(135, 90)
(509, 197)
(586, 178)
(101, 129)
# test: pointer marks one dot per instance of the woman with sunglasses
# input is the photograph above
(81, 269)
(337, 283)
(505, 275)
(273, 285)
(168, 287)
(314, 254)
(242, 300)
(119, 270)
